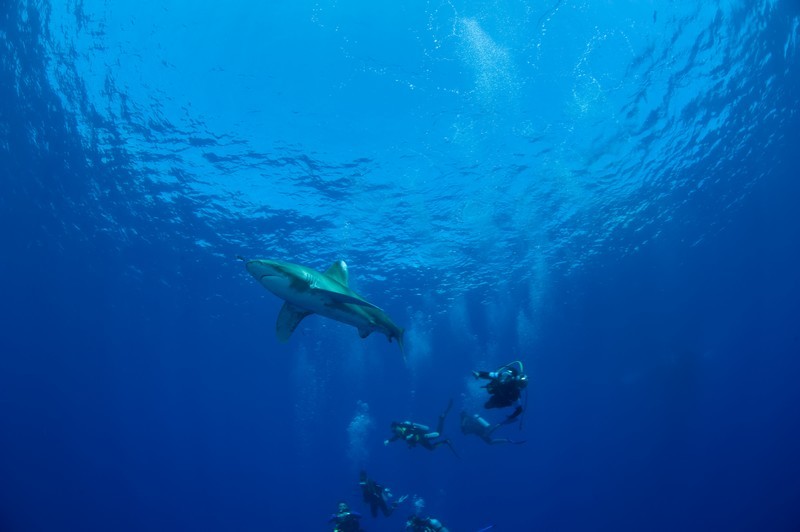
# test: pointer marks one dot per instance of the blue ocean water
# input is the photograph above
(605, 191)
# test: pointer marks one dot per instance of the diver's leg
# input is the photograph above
(514, 415)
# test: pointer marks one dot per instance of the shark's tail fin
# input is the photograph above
(399, 336)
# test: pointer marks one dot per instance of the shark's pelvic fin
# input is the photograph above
(338, 272)
(288, 319)
(363, 332)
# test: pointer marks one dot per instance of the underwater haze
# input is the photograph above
(605, 191)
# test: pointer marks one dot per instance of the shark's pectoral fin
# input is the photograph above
(288, 319)
(363, 332)
(344, 298)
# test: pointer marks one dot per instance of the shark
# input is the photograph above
(306, 291)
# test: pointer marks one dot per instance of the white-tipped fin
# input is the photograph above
(288, 319)
(338, 272)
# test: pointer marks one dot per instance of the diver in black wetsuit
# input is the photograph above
(415, 433)
(377, 496)
(505, 386)
(475, 424)
(345, 520)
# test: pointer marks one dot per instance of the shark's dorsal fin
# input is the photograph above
(338, 272)
(288, 319)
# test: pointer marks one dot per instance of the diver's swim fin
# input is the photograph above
(452, 449)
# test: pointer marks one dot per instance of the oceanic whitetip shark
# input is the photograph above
(307, 291)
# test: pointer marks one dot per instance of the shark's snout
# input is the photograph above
(261, 268)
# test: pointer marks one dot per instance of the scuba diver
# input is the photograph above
(427, 524)
(416, 433)
(377, 496)
(505, 386)
(345, 520)
(475, 424)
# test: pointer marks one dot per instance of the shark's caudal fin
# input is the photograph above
(399, 337)
(397, 334)
(288, 319)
